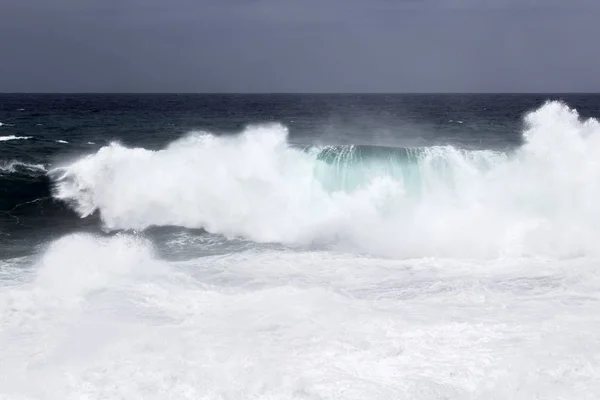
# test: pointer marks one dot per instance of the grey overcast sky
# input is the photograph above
(299, 46)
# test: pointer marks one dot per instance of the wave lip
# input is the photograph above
(437, 201)
(13, 166)
(13, 137)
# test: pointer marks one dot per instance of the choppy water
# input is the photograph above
(291, 247)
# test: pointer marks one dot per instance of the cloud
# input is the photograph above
(298, 46)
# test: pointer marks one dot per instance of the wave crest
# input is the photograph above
(438, 201)
(16, 166)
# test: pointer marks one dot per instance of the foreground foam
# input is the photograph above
(105, 318)
(439, 201)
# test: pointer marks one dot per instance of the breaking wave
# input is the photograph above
(439, 201)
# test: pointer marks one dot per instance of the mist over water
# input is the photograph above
(249, 266)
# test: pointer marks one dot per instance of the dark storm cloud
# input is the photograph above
(298, 46)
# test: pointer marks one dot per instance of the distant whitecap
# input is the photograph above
(13, 137)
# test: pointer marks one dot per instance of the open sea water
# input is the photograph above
(299, 247)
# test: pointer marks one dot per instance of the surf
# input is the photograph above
(431, 201)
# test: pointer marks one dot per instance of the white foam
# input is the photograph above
(62, 141)
(105, 318)
(13, 137)
(540, 200)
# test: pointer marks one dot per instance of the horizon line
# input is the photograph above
(296, 93)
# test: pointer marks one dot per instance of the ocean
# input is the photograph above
(299, 246)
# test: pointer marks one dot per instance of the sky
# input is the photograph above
(310, 46)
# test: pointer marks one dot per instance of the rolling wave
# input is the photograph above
(440, 201)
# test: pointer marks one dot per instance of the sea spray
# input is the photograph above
(439, 200)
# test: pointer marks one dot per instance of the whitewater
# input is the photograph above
(435, 201)
(249, 267)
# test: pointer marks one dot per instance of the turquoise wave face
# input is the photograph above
(348, 168)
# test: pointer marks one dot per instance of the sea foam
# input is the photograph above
(13, 137)
(437, 201)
